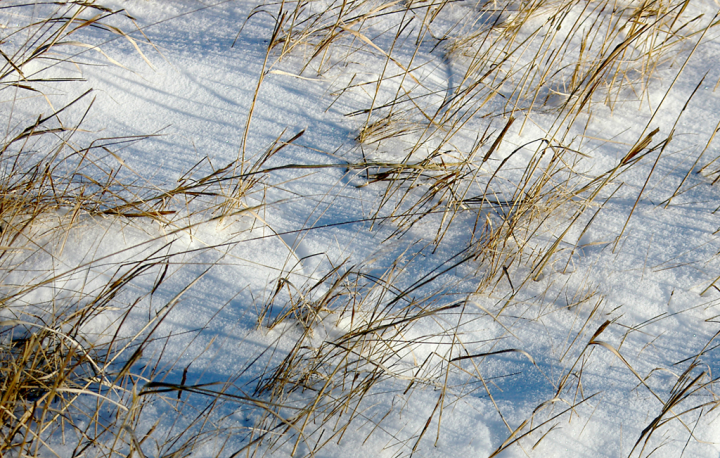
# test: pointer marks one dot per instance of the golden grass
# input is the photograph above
(514, 60)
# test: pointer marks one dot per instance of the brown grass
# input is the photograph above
(447, 157)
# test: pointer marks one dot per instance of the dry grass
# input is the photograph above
(413, 140)
(435, 155)
(58, 381)
(509, 64)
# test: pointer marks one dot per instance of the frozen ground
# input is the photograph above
(605, 347)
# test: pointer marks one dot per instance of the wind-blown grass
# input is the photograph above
(441, 155)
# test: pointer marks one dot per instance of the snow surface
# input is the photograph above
(654, 284)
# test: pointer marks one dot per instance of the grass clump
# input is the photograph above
(67, 375)
(449, 155)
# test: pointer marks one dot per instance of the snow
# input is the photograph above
(562, 385)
